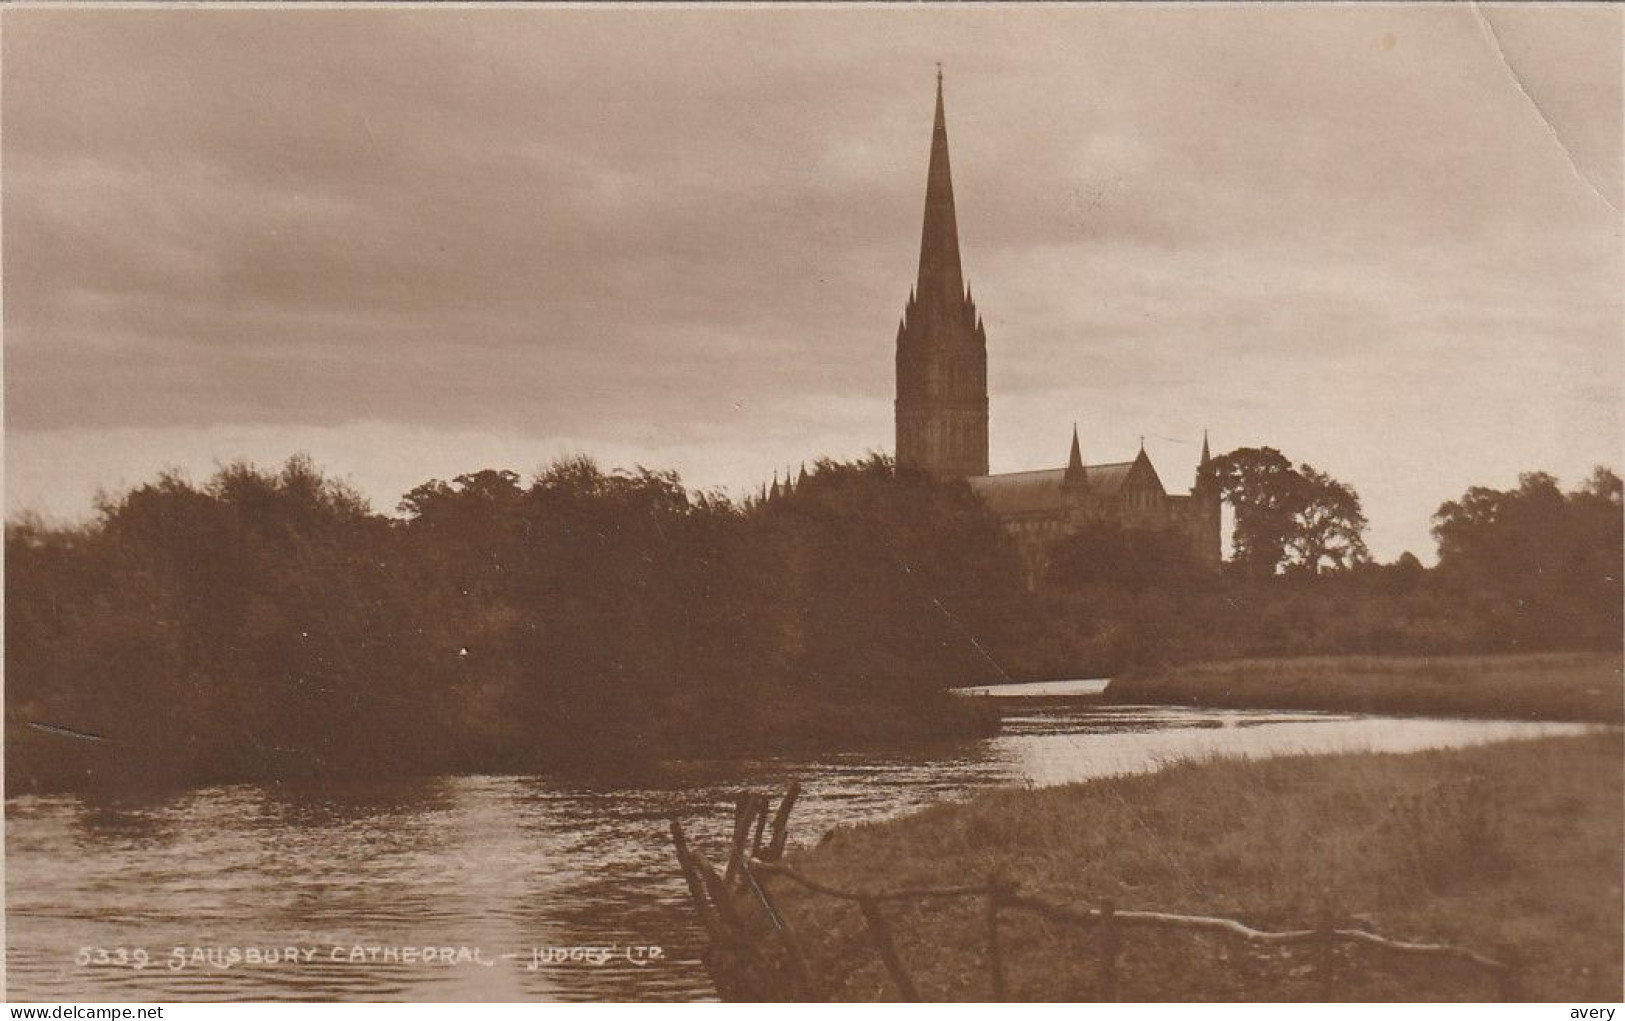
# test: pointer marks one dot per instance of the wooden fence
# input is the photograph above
(742, 920)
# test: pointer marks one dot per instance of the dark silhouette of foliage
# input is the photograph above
(1533, 568)
(1296, 518)
(1103, 553)
(269, 625)
(1543, 564)
(1328, 524)
(1260, 486)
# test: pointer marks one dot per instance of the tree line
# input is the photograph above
(269, 624)
(1526, 569)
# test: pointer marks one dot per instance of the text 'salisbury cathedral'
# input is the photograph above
(942, 413)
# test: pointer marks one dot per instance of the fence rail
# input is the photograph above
(739, 965)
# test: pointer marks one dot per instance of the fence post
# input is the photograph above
(781, 833)
(880, 935)
(995, 956)
(736, 848)
(1328, 952)
(1109, 945)
(696, 887)
(761, 825)
(734, 962)
(717, 890)
(787, 935)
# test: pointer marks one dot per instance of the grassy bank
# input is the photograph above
(1509, 844)
(1544, 686)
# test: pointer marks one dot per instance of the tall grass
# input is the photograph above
(1509, 844)
(1549, 686)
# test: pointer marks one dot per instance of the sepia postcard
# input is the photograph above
(1109, 503)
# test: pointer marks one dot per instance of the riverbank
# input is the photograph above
(775, 721)
(1514, 844)
(1583, 686)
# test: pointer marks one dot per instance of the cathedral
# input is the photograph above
(942, 413)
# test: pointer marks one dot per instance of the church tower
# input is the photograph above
(941, 345)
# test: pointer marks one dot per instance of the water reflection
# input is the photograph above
(1041, 689)
(348, 875)
(136, 818)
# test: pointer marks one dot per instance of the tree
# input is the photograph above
(1542, 565)
(1288, 516)
(1104, 554)
(1328, 524)
(1497, 536)
(896, 581)
(1257, 483)
(268, 624)
(485, 489)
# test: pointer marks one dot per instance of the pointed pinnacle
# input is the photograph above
(941, 279)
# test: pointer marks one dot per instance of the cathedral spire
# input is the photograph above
(941, 278)
(1076, 473)
(1205, 482)
(941, 347)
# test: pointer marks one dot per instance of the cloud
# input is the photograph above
(687, 234)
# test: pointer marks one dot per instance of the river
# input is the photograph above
(203, 894)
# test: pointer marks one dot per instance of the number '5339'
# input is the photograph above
(118, 957)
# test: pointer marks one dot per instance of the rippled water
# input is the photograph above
(512, 867)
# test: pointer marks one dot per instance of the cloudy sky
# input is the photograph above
(421, 242)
